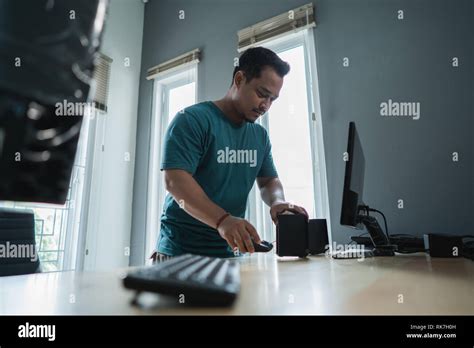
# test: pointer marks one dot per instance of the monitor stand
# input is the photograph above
(381, 244)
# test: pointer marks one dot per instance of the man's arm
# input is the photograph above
(192, 198)
(271, 191)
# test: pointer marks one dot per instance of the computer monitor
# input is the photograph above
(354, 212)
(353, 180)
(48, 52)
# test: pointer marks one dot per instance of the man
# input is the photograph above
(213, 153)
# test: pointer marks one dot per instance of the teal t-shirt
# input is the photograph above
(224, 159)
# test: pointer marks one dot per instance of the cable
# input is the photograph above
(409, 251)
(405, 241)
(407, 244)
(384, 220)
(367, 209)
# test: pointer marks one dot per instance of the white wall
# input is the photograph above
(110, 208)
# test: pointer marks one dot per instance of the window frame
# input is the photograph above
(156, 192)
(257, 211)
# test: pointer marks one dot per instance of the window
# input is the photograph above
(288, 128)
(179, 98)
(294, 127)
(173, 91)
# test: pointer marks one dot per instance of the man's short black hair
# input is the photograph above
(253, 60)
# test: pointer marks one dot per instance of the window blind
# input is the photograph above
(179, 62)
(289, 22)
(101, 77)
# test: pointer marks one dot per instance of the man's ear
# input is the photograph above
(239, 78)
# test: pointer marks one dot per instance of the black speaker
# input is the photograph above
(292, 237)
(297, 236)
(317, 236)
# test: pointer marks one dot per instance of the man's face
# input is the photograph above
(253, 99)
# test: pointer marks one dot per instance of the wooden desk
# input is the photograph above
(404, 284)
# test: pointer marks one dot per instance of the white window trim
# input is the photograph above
(77, 224)
(257, 210)
(317, 137)
(156, 189)
(86, 244)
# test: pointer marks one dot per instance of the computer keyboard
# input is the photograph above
(192, 279)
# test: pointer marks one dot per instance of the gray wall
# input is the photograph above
(402, 60)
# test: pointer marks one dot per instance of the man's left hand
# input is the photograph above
(279, 208)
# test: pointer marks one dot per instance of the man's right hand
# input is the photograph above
(238, 233)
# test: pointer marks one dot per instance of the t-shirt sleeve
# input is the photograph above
(268, 167)
(183, 145)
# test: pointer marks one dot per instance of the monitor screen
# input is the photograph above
(353, 179)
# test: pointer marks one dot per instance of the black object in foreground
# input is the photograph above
(192, 279)
(262, 247)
